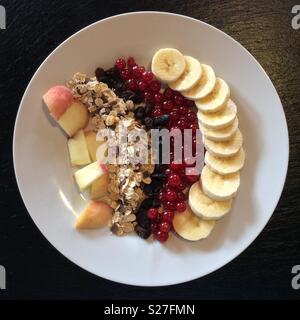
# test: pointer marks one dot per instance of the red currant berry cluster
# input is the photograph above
(137, 78)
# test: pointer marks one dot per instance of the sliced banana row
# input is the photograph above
(211, 198)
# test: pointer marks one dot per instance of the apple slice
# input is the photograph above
(58, 99)
(96, 215)
(75, 118)
(99, 187)
(78, 150)
(87, 175)
(92, 144)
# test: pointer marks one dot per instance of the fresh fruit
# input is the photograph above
(219, 119)
(225, 148)
(92, 144)
(168, 105)
(204, 207)
(167, 216)
(75, 118)
(223, 134)
(180, 206)
(190, 227)
(147, 76)
(168, 65)
(218, 187)
(99, 187)
(58, 99)
(216, 99)
(152, 213)
(225, 166)
(190, 76)
(161, 236)
(96, 215)
(165, 226)
(170, 195)
(174, 180)
(87, 175)
(142, 232)
(78, 150)
(120, 63)
(204, 86)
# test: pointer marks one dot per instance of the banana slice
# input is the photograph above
(216, 99)
(225, 149)
(224, 134)
(190, 227)
(204, 207)
(204, 86)
(225, 166)
(168, 64)
(190, 77)
(220, 119)
(217, 187)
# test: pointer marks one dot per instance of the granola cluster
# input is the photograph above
(127, 176)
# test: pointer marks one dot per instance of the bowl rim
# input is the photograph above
(225, 261)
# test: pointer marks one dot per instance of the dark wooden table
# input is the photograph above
(34, 268)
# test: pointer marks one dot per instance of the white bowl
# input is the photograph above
(45, 178)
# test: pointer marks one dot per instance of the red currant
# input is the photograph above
(125, 74)
(136, 72)
(154, 227)
(180, 206)
(174, 180)
(147, 76)
(171, 195)
(168, 205)
(189, 103)
(120, 63)
(157, 113)
(142, 85)
(131, 84)
(155, 85)
(148, 96)
(158, 97)
(194, 127)
(174, 116)
(180, 196)
(142, 70)
(152, 213)
(167, 216)
(169, 94)
(181, 186)
(168, 105)
(192, 116)
(182, 124)
(161, 236)
(178, 99)
(131, 62)
(183, 110)
(191, 178)
(164, 227)
(175, 166)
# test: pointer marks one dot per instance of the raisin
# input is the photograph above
(143, 233)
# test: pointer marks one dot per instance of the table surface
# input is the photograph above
(37, 270)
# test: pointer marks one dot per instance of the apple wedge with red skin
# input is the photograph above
(87, 175)
(96, 215)
(71, 115)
